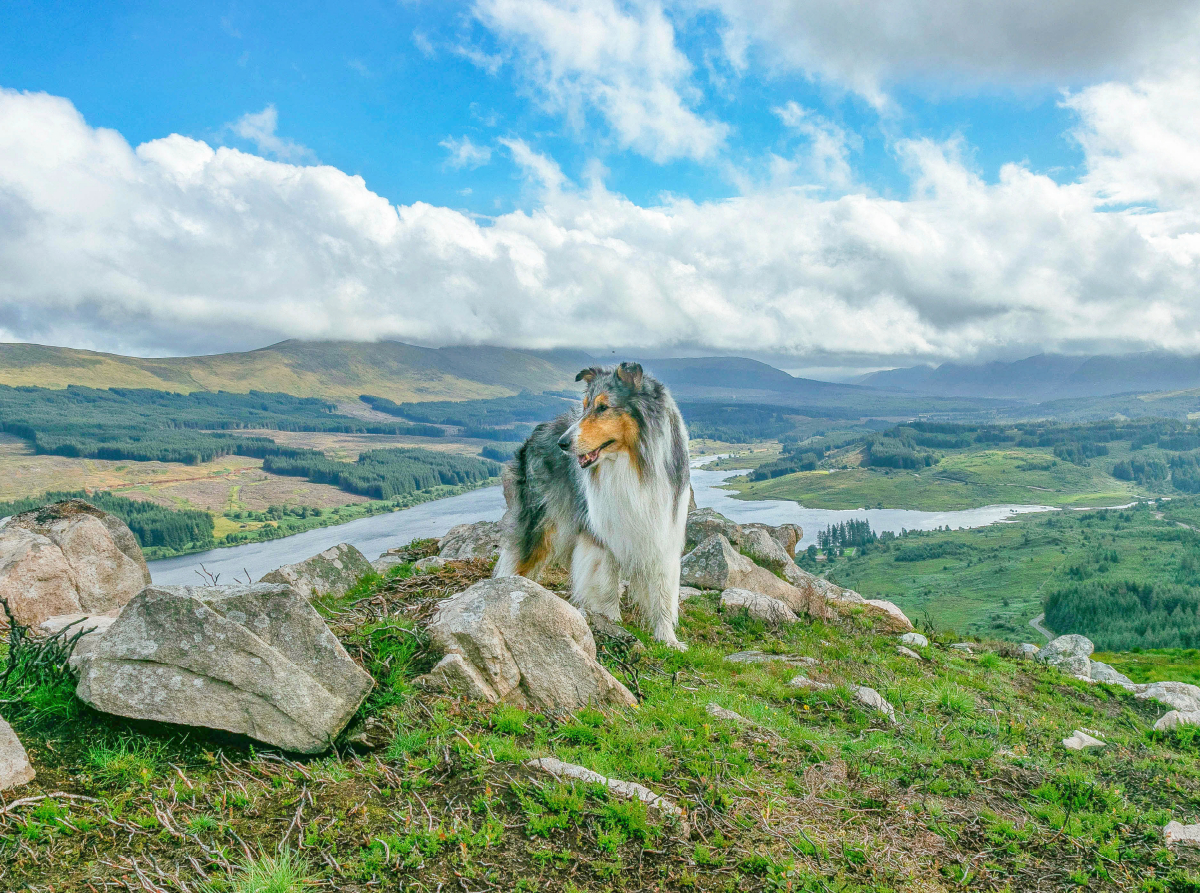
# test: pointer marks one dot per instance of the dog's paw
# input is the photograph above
(674, 643)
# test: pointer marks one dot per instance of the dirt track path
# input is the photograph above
(1036, 623)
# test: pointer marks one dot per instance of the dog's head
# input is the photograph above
(611, 419)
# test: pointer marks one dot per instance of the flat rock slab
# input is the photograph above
(761, 657)
(626, 790)
(333, 572)
(908, 652)
(253, 659)
(719, 712)
(509, 639)
(758, 606)
(1081, 740)
(802, 681)
(15, 769)
(1177, 834)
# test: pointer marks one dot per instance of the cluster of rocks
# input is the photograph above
(753, 566)
(479, 541)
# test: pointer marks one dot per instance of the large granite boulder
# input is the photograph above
(253, 659)
(15, 769)
(763, 549)
(333, 572)
(471, 542)
(788, 536)
(511, 640)
(68, 558)
(1071, 654)
(1181, 696)
(715, 564)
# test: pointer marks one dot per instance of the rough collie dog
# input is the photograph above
(604, 490)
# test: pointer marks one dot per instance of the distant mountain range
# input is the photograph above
(1047, 377)
(343, 370)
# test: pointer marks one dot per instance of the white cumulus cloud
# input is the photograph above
(259, 128)
(617, 61)
(177, 246)
(464, 153)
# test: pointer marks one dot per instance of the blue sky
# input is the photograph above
(1045, 139)
(375, 88)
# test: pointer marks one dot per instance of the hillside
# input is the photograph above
(1047, 377)
(336, 370)
(800, 788)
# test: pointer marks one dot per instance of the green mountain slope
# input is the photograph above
(330, 369)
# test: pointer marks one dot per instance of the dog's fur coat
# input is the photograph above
(604, 490)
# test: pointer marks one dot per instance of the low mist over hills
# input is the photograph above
(1047, 377)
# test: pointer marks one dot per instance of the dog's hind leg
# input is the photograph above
(654, 589)
(595, 581)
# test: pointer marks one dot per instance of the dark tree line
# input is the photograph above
(384, 474)
(152, 524)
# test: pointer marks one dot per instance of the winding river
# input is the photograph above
(379, 533)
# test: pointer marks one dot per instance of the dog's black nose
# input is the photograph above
(564, 443)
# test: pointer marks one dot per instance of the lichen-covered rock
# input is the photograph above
(1071, 654)
(471, 542)
(511, 640)
(253, 659)
(715, 564)
(703, 523)
(760, 607)
(788, 536)
(333, 572)
(15, 769)
(68, 558)
(762, 548)
(92, 626)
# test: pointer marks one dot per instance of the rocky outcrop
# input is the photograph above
(715, 564)
(471, 542)
(788, 536)
(1172, 719)
(1071, 654)
(253, 659)
(703, 523)
(333, 572)
(749, 538)
(15, 769)
(759, 607)
(1181, 696)
(763, 549)
(511, 640)
(68, 558)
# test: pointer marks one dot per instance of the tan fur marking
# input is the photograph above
(618, 427)
(538, 556)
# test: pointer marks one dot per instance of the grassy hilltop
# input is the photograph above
(970, 789)
(332, 369)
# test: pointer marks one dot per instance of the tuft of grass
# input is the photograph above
(285, 873)
(128, 762)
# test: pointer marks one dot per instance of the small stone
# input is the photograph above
(908, 652)
(1028, 650)
(868, 697)
(964, 647)
(760, 607)
(626, 790)
(802, 681)
(688, 592)
(1176, 834)
(1081, 740)
(430, 563)
(729, 715)
(914, 640)
(761, 657)
(15, 769)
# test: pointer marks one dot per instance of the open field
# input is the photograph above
(992, 580)
(959, 481)
(969, 789)
(1155, 665)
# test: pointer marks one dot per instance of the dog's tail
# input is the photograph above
(506, 564)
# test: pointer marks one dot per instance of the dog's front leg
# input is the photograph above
(595, 581)
(655, 591)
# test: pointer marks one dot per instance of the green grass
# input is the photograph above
(970, 789)
(993, 580)
(1157, 665)
(962, 480)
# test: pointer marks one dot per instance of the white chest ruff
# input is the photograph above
(633, 515)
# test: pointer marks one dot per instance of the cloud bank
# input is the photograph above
(175, 246)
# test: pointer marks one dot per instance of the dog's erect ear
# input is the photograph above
(631, 374)
(587, 374)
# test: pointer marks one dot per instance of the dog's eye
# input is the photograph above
(601, 408)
